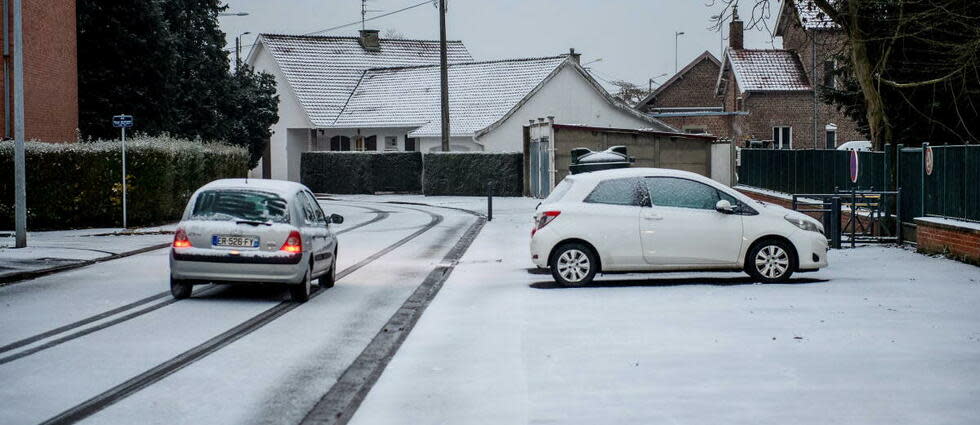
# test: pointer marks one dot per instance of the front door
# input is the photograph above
(682, 227)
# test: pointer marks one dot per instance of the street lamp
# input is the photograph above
(651, 81)
(232, 13)
(238, 49)
(585, 65)
(676, 34)
(721, 35)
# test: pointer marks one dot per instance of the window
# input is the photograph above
(371, 143)
(559, 192)
(391, 143)
(782, 137)
(228, 205)
(683, 193)
(616, 192)
(829, 68)
(410, 144)
(340, 143)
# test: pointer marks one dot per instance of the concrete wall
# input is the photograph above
(722, 160)
(568, 97)
(650, 150)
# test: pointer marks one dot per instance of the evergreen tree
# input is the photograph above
(164, 62)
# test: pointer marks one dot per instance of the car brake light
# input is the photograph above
(543, 220)
(180, 239)
(294, 243)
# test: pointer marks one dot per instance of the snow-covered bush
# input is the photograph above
(361, 172)
(73, 185)
(467, 173)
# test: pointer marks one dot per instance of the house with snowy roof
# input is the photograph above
(779, 88)
(371, 94)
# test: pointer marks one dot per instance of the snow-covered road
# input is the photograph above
(272, 375)
(883, 336)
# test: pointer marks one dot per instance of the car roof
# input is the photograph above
(635, 172)
(283, 188)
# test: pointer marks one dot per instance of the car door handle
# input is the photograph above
(652, 216)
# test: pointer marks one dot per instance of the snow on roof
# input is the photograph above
(811, 17)
(323, 70)
(282, 188)
(767, 70)
(480, 94)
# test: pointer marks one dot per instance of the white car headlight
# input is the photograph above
(803, 223)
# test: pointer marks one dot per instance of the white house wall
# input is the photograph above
(571, 99)
(285, 161)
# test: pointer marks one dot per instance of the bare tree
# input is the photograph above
(628, 92)
(393, 34)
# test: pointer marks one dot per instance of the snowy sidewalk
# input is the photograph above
(48, 252)
(884, 335)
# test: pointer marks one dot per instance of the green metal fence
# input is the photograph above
(951, 190)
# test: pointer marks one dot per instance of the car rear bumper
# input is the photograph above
(542, 243)
(208, 266)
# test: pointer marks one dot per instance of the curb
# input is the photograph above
(33, 274)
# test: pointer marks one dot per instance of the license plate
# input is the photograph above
(235, 241)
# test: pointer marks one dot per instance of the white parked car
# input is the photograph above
(254, 231)
(650, 219)
(855, 145)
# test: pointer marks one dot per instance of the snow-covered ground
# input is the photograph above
(882, 336)
(57, 248)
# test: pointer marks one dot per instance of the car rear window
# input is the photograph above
(559, 192)
(226, 205)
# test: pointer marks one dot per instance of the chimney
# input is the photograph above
(575, 57)
(735, 36)
(370, 40)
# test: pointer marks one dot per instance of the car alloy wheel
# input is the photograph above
(573, 264)
(772, 262)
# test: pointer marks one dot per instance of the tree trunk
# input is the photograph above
(864, 72)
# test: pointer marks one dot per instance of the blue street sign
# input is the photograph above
(122, 121)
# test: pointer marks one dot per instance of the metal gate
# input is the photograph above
(540, 162)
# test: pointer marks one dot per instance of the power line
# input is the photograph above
(229, 49)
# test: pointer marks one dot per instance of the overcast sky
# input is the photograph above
(634, 38)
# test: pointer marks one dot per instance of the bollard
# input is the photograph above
(835, 228)
(489, 201)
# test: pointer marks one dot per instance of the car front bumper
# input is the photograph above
(215, 266)
(812, 249)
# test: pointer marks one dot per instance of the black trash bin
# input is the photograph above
(585, 160)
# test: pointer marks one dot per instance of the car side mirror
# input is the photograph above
(724, 207)
(336, 218)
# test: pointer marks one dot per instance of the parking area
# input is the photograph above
(884, 335)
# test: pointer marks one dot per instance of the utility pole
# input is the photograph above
(444, 75)
(20, 167)
(238, 49)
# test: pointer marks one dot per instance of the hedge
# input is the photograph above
(71, 185)
(361, 172)
(467, 173)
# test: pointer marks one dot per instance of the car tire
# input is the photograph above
(301, 292)
(770, 261)
(180, 289)
(574, 264)
(330, 277)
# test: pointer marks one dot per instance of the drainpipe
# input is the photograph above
(6, 70)
(813, 84)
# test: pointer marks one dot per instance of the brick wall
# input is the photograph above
(50, 71)
(717, 125)
(694, 88)
(777, 109)
(962, 243)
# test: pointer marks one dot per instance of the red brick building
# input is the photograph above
(50, 71)
(763, 96)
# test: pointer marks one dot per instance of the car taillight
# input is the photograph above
(294, 243)
(543, 220)
(180, 239)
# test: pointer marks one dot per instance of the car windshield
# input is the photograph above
(242, 205)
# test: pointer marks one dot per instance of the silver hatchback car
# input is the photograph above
(254, 231)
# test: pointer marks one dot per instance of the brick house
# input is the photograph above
(687, 101)
(765, 96)
(50, 71)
